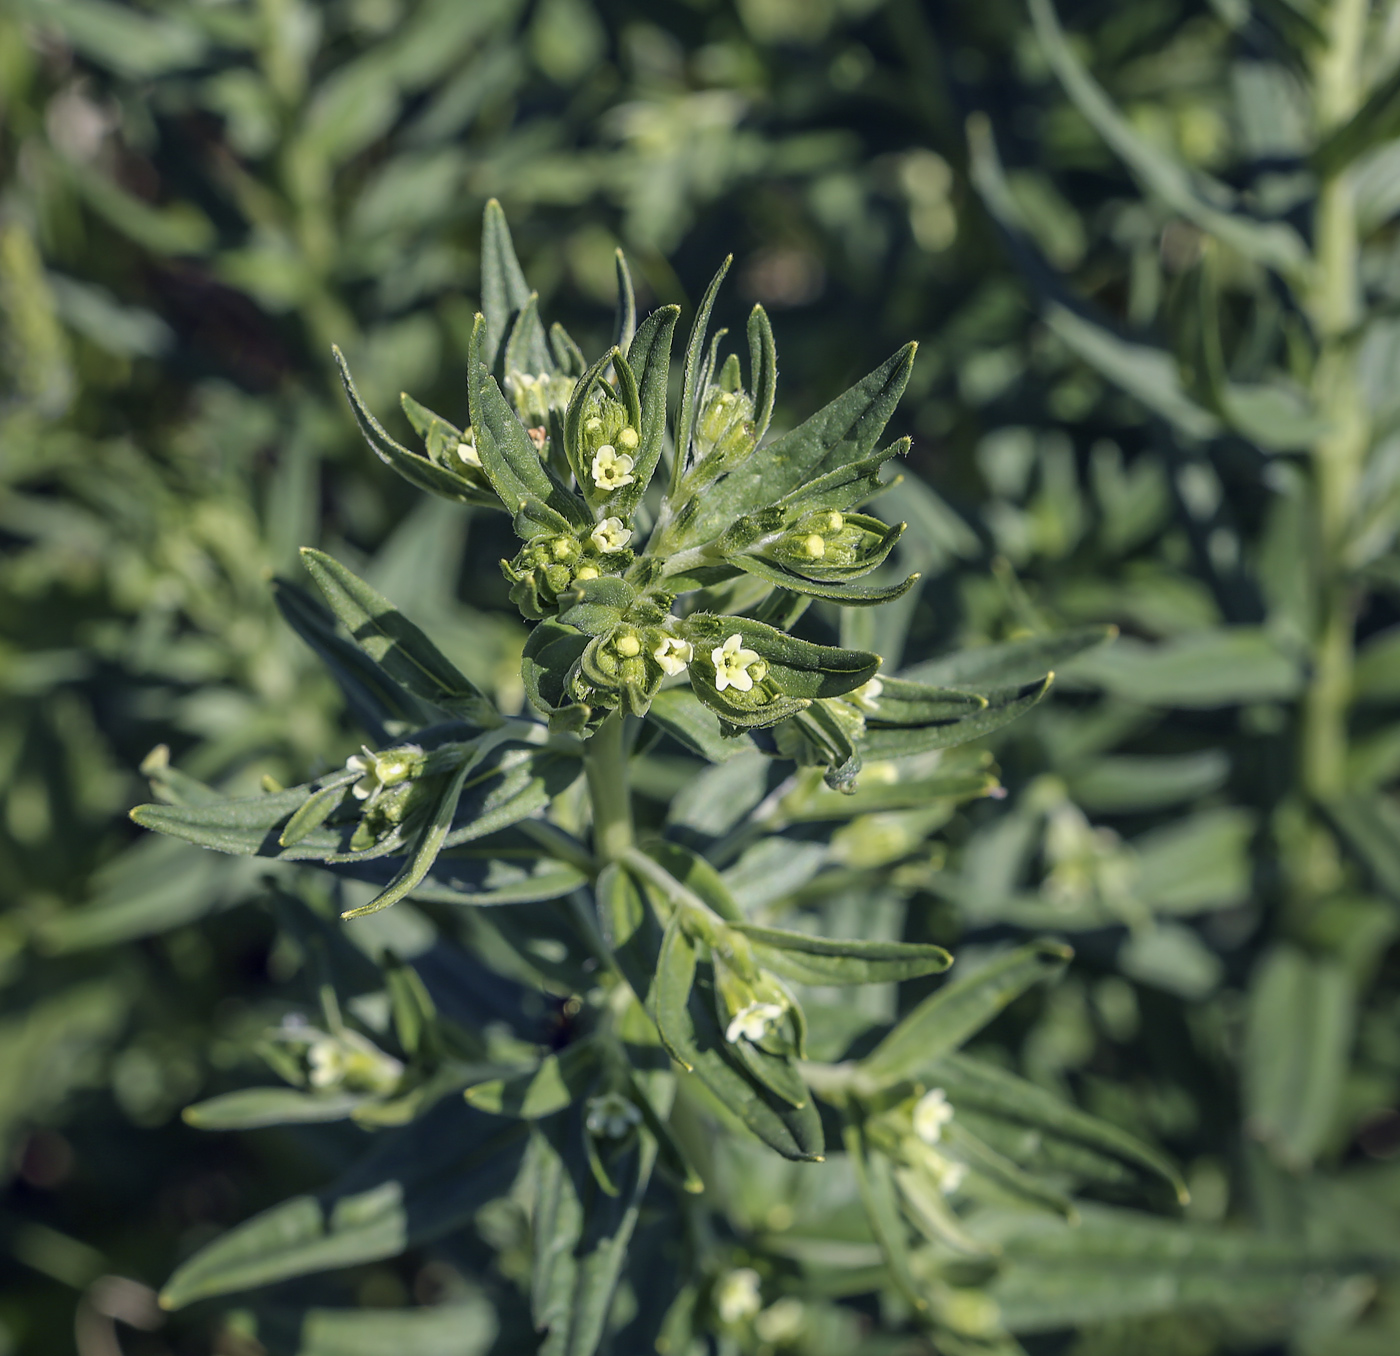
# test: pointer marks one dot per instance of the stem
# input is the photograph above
(605, 766)
(1338, 456)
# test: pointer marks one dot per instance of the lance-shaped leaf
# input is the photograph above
(525, 484)
(625, 319)
(318, 807)
(844, 431)
(947, 1018)
(669, 999)
(550, 658)
(573, 427)
(1271, 243)
(459, 1327)
(691, 386)
(649, 357)
(763, 370)
(372, 695)
(527, 349)
(1117, 1264)
(567, 354)
(973, 1085)
(395, 644)
(423, 472)
(928, 1210)
(1010, 664)
(886, 737)
(420, 1183)
(254, 1108)
(847, 487)
(504, 291)
(686, 719)
(559, 1080)
(797, 671)
(875, 1179)
(999, 1172)
(581, 1240)
(440, 436)
(832, 960)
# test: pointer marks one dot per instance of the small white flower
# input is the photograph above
(673, 655)
(737, 1296)
(866, 696)
(466, 450)
(782, 1321)
(752, 1022)
(931, 1113)
(732, 662)
(611, 1116)
(611, 469)
(325, 1063)
(380, 769)
(610, 535)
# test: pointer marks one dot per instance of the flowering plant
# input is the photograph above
(667, 567)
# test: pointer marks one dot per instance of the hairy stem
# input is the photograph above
(1334, 305)
(609, 788)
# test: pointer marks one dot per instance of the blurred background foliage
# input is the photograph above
(198, 196)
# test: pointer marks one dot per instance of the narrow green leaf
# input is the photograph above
(691, 392)
(527, 349)
(903, 741)
(649, 356)
(830, 960)
(625, 323)
(947, 1018)
(875, 1180)
(1011, 663)
(670, 993)
(253, 1108)
(560, 1080)
(394, 643)
(685, 718)
(504, 290)
(763, 370)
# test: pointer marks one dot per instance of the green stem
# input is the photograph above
(609, 788)
(1338, 456)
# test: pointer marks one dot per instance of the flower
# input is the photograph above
(737, 1296)
(611, 469)
(628, 439)
(381, 769)
(732, 663)
(931, 1113)
(752, 1022)
(814, 546)
(466, 450)
(782, 1321)
(610, 535)
(325, 1063)
(865, 696)
(673, 655)
(611, 1116)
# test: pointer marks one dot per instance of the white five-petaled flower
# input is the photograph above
(673, 655)
(611, 1116)
(732, 661)
(610, 535)
(380, 769)
(612, 469)
(866, 695)
(737, 1295)
(752, 1022)
(931, 1113)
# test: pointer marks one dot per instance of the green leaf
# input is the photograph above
(525, 484)
(551, 654)
(1004, 1176)
(394, 643)
(527, 349)
(978, 1086)
(690, 378)
(1202, 669)
(827, 960)
(625, 323)
(947, 1018)
(560, 1080)
(763, 370)
(1273, 244)
(421, 1183)
(1127, 783)
(669, 998)
(840, 433)
(252, 1108)
(1010, 664)
(846, 594)
(504, 291)
(902, 741)
(461, 1327)
(686, 719)
(1371, 827)
(875, 1179)
(418, 470)
(1302, 1012)
(1375, 122)
(649, 356)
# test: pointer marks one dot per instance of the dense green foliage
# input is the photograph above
(1148, 264)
